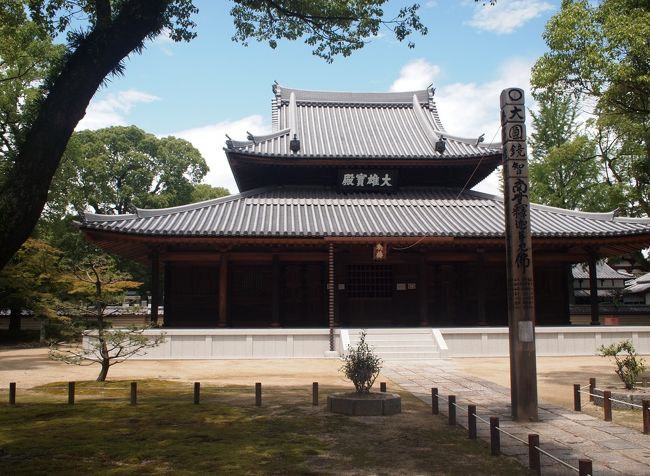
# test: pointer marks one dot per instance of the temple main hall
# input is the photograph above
(356, 211)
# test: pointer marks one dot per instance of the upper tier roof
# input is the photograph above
(363, 125)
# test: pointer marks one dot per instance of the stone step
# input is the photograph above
(400, 355)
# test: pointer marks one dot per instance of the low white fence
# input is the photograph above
(550, 341)
(314, 343)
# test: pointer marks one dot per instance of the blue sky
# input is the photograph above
(211, 86)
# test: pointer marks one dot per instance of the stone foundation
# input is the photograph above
(372, 404)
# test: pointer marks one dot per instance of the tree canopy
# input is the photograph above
(102, 33)
(599, 54)
(115, 170)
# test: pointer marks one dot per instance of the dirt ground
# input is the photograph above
(555, 375)
(29, 367)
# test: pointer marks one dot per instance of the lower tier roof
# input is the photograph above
(325, 212)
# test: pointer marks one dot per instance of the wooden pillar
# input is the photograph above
(223, 290)
(519, 260)
(155, 285)
(481, 276)
(593, 289)
(275, 294)
(331, 293)
(423, 286)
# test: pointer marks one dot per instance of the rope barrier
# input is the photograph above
(512, 436)
(613, 399)
(554, 458)
(482, 419)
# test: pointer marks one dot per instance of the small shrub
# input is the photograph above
(361, 365)
(629, 365)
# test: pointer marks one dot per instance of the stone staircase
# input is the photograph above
(399, 344)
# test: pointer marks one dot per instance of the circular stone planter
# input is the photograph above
(370, 404)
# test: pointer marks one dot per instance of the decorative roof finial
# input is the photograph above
(480, 139)
(441, 145)
(294, 145)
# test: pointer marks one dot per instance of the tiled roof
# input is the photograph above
(603, 271)
(376, 125)
(307, 212)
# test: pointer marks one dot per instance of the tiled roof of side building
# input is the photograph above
(343, 124)
(320, 212)
(603, 271)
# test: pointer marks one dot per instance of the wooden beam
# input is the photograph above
(223, 291)
(275, 306)
(155, 285)
(593, 289)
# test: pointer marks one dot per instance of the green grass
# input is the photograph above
(226, 434)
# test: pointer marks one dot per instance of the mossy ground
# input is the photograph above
(165, 433)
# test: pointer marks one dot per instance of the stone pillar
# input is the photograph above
(519, 264)
(593, 289)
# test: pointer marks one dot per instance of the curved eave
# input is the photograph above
(443, 159)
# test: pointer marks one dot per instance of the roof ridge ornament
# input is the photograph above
(431, 135)
(294, 145)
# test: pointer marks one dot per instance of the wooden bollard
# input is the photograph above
(134, 393)
(70, 393)
(577, 404)
(314, 393)
(197, 393)
(645, 405)
(584, 467)
(258, 394)
(382, 387)
(452, 410)
(607, 405)
(495, 436)
(533, 453)
(12, 393)
(471, 422)
(435, 410)
(592, 388)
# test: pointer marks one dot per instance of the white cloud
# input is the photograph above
(164, 42)
(211, 139)
(507, 16)
(417, 74)
(113, 109)
(472, 109)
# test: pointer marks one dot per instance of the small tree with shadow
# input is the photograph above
(98, 283)
(628, 363)
(361, 365)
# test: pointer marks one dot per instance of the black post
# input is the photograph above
(577, 404)
(197, 392)
(607, 405)
(471, 422)
(258, 394)
(452, 410)
(70, 393)
(495, 437)
(435, 410)
(382, 387)
(12, 393)
(134, 393)
(314, 393)
(592, 387)
(645, 404)
(533, 453)
(584, 467)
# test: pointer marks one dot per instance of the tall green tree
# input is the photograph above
(599, 51)
(563, 170)
(101, 33)
(118, 169)
(32, 281)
